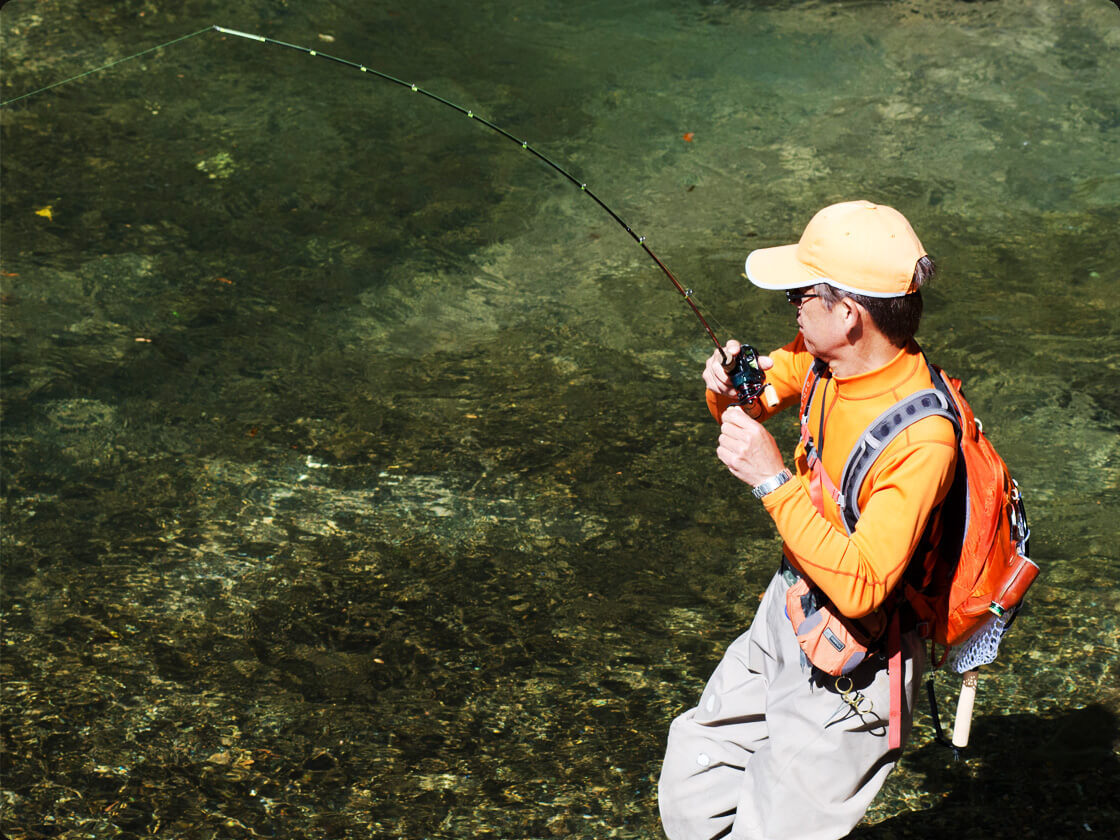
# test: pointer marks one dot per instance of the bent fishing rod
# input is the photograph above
(746, 375)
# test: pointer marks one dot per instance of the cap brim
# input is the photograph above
(779, 268)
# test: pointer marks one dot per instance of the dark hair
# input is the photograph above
(896, 317)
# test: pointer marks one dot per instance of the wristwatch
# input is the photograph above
(771, 484)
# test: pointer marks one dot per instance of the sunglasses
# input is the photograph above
(799, 296)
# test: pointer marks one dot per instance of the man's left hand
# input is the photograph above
(749, 451)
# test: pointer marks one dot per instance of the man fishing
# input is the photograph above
(796, 730)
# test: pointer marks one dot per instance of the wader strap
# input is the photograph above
(894, 674)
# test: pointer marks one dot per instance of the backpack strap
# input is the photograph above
(929, 402)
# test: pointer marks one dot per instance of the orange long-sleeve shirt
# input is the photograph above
(904, 487)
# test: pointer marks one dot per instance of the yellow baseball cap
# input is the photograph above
(860, 247)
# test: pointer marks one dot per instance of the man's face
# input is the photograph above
(823, 329)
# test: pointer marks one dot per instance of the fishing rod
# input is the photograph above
(746, 375)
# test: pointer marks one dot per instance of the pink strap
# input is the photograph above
(820, 482)
(894, 671)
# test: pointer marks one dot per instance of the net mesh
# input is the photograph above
(982, 646)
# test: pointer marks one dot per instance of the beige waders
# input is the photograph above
(775, 750)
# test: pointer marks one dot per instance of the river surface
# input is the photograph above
(357, 480)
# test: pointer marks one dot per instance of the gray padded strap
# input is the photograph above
(918, 406)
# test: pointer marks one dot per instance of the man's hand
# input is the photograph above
(749, 451)
(718, 379)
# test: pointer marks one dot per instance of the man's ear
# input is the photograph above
(851, 316)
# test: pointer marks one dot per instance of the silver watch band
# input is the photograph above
(772, 483)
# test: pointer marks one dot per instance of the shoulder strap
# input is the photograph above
(938, 378)
(813, 376)
(929, 402)
(820, 482)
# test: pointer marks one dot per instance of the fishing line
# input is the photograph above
(106, 66)
(687, 294)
